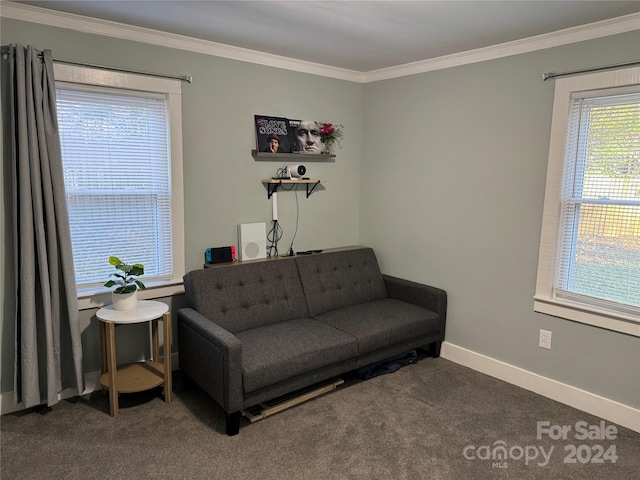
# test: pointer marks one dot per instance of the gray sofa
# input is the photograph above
(254, 331)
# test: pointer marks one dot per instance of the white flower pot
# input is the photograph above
(124, 301)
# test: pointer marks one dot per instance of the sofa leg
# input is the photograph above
(434, 349)
(233, 423)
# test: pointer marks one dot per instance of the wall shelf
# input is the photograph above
(273, 184)
(297, 156)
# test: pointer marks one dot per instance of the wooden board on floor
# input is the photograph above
(272, 407)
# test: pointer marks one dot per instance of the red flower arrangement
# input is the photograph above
(329, 133)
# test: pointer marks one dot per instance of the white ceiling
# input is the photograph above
(361, 36)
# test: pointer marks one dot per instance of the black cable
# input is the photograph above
(274, 236)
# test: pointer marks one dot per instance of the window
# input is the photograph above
(589, 266)
(121, 152)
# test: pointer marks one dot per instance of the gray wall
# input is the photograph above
(442, 173)
(222, 180)
(453, 180)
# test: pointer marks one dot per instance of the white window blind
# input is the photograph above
(598, 260)
(117, 168)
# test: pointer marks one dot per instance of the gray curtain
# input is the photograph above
(48, 350)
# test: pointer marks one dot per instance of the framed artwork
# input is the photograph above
(272, 134)
(305, 137)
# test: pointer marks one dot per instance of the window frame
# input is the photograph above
(87, 76)
(545, 300)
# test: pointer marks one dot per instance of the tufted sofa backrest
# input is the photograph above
(246, 296)
(340, 279)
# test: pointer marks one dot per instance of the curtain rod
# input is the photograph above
(184, 78)
(550, 75)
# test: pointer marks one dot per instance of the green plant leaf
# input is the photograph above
(110, 283)
(115, 261)
(140, 285)
(137, 270)
(124, 268)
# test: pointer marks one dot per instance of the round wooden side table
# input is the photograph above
(134, 377)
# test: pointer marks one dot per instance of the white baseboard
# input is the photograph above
(91, 384)
(602, 407)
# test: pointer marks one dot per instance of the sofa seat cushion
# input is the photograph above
(382, 323)
(283, 350)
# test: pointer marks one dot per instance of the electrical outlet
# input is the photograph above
(545, 339)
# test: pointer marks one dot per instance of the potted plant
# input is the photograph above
(125, 296)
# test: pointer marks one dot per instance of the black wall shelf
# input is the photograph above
(273, 184)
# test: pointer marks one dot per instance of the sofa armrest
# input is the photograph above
(212, 357)
(431, 298)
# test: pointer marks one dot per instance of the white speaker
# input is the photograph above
(252, 239)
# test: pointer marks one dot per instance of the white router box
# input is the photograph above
(252, 240)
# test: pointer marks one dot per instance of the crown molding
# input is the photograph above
(83, 24)
(29, 13)
(567, 36)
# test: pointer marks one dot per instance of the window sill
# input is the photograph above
(88, 299)
(629, 325)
